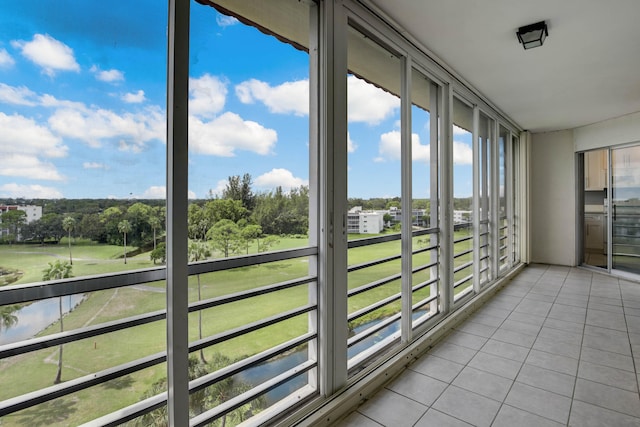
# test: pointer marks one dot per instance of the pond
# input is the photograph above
(269, 369)
(36, 317)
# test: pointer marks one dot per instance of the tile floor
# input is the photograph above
(557, 346)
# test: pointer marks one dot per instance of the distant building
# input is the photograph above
(33, 212)
(461, 216)
(364, 222)
(419, 217)
(372, 222)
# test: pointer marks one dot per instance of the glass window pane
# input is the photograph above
(82, 124)
(249, 163)
(374, 192)
(424, 144)
(503, 219)
(486, 232)
(462, 198)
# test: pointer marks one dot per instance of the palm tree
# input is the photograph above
(229, 388)
(154, 222)
(124, 227)
(199, 251)
(7, 316)
(213, 395)
(58, 270)
(69, 223)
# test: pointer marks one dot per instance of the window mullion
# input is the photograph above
(407, 198)
(494, 182)
(446, 201)
(177, 204)
(332, 273)
(476, 200)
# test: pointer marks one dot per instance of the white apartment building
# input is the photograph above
(461, 216)
(364, 222)
(33, 212)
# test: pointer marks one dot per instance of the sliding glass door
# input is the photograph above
(611, 238)
(625, 209)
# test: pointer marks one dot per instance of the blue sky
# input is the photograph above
(83, 100)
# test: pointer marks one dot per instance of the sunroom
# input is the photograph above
(502, 289)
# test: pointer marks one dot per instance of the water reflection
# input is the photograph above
(36, 316)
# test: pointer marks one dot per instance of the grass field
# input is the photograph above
(109, 350)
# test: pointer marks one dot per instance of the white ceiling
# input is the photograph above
(587, 71)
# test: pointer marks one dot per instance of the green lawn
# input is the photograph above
(109, 350)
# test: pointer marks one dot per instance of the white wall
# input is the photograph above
(553, 198)
(621, 130)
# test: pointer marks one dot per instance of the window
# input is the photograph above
(374, 181)
(463, 232)
(338, 207)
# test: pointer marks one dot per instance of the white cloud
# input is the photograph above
(125, 146)
(30, 138)
(14, 190)
(6, 60)
(207, 95)
(23, 147)
(287, 98)
(160, 192)
(462, 153)
(95, 126)
(94, 165)
(109, 76)
(155, 192)
(278, 177)
(16, 95)
(367, 103)
(48, 53)
(389, 147)
(51, 101)
(227, 133)
(351, 146)
(225, 21)
(134, 98)
(29, 166)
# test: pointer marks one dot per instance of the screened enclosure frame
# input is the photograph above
(328, 370)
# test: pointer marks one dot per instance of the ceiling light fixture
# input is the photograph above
(532, 35)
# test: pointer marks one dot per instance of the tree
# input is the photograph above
(155, 223)
(58, 270)
(159, 253)
(13, 220)
(91, 227)
(7, 316)
(387, 218)
(138, 216)
(68, 224)
(199, 401)
(124, 227)
(199, 251)
(268, 242)
(197, 222)
(225, 236)
(250, 233)
(280, 213)
(237, 189)
(111, 217)
(52, 226)
(218, 209)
